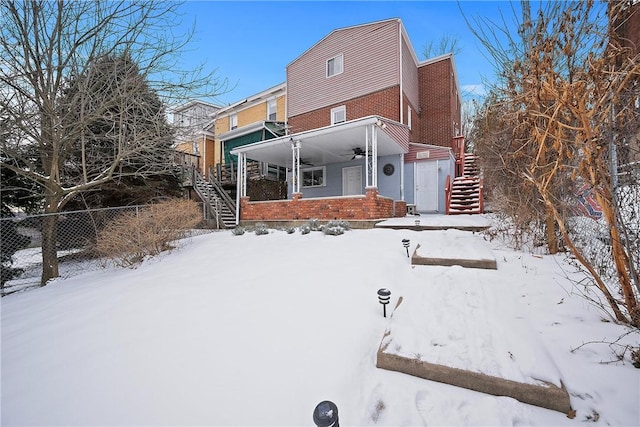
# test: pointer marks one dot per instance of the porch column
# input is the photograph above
(371, 153)
(401, 176)
(295, 169)
(241, 183)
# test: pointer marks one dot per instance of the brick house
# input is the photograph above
(370, 130)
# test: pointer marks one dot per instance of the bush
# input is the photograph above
(133, 236)
(342, 224)
(305, 229)
(290, 230)
(261, 229)
(238, 231)
(314, 225)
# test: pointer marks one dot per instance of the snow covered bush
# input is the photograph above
(314, 225)
(133, 236)
(261, 229)
(305, 229)
(290, 230)
(238, 231)
(335, 228)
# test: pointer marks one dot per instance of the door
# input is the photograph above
(427, 186)
(352, 181)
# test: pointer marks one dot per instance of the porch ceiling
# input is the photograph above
(332, 144)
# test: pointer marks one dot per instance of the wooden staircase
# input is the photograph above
(221, 207)
(465, 192)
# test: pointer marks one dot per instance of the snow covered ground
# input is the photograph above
(256, 330)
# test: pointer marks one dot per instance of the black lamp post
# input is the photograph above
(384, 295)
(406, 243)
(326, 414)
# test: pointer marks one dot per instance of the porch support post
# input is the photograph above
(368, 154)
(241, 183)
(401, 176)
(374, 156)
(295, 169)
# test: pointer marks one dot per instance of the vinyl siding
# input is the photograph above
(409, 78)
(371, 63)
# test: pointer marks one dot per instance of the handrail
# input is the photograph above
(481, 194)
(206, 198)
(222, 194)
(457, 144)
(447, 194)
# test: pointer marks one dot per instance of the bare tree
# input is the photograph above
(87, 134)
(446, 44)
(563, 94)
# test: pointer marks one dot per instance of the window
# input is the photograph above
(233, 121)
(334, 65)
(338, 115)
(196, 147)
(409, 116)
(313, 177)
(272, 106)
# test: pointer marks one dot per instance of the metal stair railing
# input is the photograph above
(222, 194)
(209, 197)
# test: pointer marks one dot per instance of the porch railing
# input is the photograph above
(457, 144)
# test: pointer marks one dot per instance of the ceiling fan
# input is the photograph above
(358, 153)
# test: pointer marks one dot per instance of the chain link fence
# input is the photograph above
(590, 232)
(76, 237)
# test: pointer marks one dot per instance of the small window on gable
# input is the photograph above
(233, 121)
(335, 65)
(272, 106)
(338, 115)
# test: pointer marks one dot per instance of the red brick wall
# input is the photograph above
(439, 107)
(370, 206)
(385, 103)
(630, 29)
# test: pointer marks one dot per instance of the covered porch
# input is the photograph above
(352, 171)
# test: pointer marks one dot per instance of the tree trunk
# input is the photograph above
(552, 239)
(49, 237)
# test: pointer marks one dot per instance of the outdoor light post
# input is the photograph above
(406, 243)
(384, 295)
(326, 414)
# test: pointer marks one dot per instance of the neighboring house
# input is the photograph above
(194, 145)
(628, 29)
(257, 118)
(371, 129)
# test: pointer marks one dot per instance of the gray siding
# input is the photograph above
(371, 63)
(389, 186)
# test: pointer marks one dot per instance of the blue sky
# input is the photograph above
(251, 43)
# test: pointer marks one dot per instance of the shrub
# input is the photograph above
(339, 223)
(314, 225)
(305, 229)
(238, 231)
(261, 229)
(333, 230)
(133, 236)
(290, 230)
